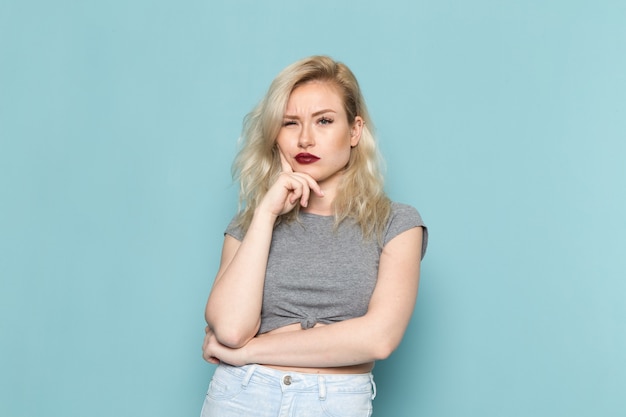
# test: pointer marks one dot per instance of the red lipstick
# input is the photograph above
(306, 158)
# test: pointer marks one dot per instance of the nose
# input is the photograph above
(305, 139)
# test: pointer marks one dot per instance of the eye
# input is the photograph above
(325, 121)
(289, 123)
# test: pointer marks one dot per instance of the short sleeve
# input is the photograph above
(404, 217)
(234, 230)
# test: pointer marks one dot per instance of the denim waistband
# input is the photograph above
(301, 381)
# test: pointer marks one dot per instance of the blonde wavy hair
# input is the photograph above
(360, 195)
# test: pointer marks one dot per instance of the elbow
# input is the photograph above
(383, 350)
(231, 338)
(230, 334)
(386, 343)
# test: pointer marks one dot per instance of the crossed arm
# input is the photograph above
(234, 307)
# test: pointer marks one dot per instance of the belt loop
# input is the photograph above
(321, 385)
(248, 376)
(373, 386)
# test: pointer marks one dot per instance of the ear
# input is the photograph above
(355, 131)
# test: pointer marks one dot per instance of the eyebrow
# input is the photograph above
(317, 113)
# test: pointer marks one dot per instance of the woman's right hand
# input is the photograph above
(290, 189)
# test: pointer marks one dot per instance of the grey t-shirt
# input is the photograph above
(318, 274)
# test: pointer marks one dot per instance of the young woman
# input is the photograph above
(319, 270)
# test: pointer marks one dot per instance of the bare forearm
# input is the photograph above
(234, 306)
(347, 343)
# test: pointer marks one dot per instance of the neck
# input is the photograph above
(322, 205)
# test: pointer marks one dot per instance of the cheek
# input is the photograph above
(342, 155)
(280, 141)
(286, 138)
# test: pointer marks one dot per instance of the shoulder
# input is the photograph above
(405, 211)
(235, 228)
(402, 218)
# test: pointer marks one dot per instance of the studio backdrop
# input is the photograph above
(502, 122)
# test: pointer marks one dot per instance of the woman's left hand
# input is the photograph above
(214, 352)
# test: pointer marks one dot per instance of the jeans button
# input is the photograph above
(287, 380)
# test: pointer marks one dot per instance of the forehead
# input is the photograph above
(315, 94)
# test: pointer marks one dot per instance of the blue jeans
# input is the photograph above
(259, 391)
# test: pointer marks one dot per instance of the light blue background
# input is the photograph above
(503, 122)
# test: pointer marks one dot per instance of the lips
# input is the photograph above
(306, 158)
